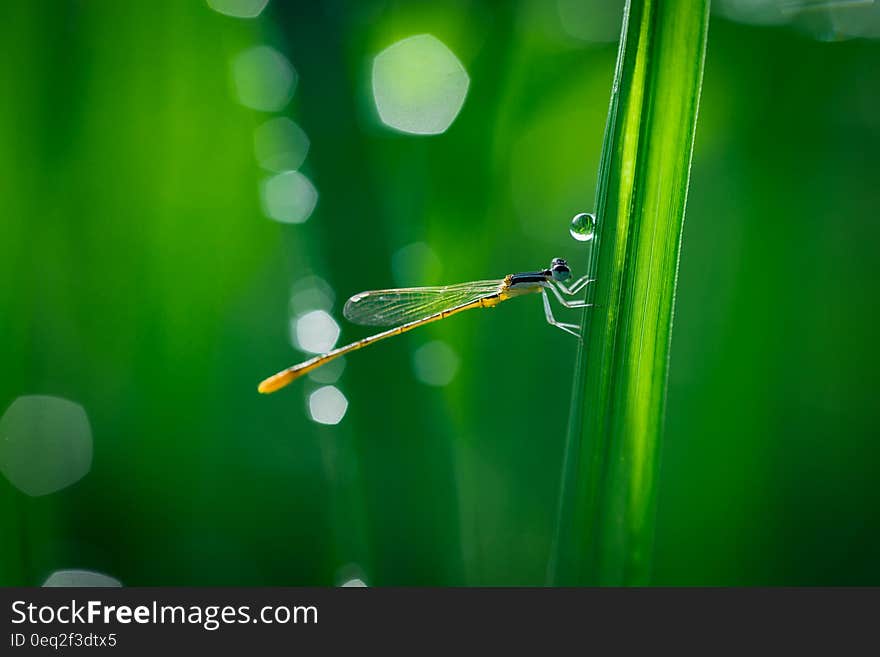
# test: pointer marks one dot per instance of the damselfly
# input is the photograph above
(408, 308)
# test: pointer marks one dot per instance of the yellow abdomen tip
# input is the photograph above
(276, 382)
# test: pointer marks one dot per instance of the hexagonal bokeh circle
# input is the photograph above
(45, 444)
(419, 86)
(75, 578)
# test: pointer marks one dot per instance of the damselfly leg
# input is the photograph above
(548, 313)
(575, 287)
(559, 288)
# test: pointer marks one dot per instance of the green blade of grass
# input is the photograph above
(608, 498)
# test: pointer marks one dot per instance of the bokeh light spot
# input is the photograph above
(280, 145)
(311, 293)
(596, 21)
(45, 444)
(756, 12)
(329, 373)
(289, 197)
(327, 405)
(74, 578)
(239, 8)
(353, 583)
(835, 20)
(419, 85)
(350, 575)
(315, 332)
(415, 264)
(435, 363)
(861, 20)
(264, 79)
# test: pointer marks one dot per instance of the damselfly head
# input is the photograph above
(559, 270)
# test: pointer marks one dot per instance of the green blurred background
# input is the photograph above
(143, 281)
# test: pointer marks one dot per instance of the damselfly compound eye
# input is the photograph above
(583, 227)
(560, 270)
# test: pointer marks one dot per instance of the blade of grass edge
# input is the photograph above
(607, 503)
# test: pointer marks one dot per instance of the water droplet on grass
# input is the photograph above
(583, 227)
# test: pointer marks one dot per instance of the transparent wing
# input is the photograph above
(399, 306)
